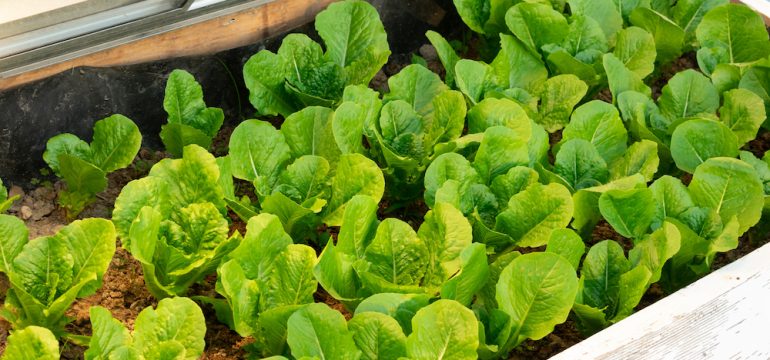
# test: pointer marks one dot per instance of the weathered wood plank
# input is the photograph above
(722, 316)
(222, 33)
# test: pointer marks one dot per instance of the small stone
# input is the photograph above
(26, 212)
(428, 52)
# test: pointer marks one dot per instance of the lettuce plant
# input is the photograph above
(189, 120)
(174, 330)
(612, 285)
(302, 74)
(84, 167)
(264, 280)
(300, 172)
(173, 221)
(32, 342)
(47, 274)
(510, 306)
(419, 115)
(689, 131)
(444, 328)
(373, 257)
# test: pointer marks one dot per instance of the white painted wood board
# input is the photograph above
(724, 315)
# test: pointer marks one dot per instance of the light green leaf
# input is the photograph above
(356, 175)
(737, 29)
(559, 96)
(264, 75)
(635, 47)
(688, 94)
(621, 79)
(743, 112)
(445, 233)
(348, 127)
(568, 244)
(517, 67)
(32, 342)
(446, 54)
(629, 212)
(640, 158)
(397, 254)
(757, 80)
(176, 136)
(443, 330)
(655, 249)
(258, 152)
(184, 105)
(499, 112)
(731, 187)
(600, 276)
(689, 13)
(472, 276)
(176, 320)
(401, 307)
(378, 336)
(416, 85)
(580, 165)
(698, 140)
(523, 285)
(516, 180)
(309, 132)
(474, 13)
(355, 39)
(115, 144)
(501, 149)
(669, 37)
(318, 331)
(192, 179)
(65, 144)
(449, 166)
(110, 337)
(585, 39)
(603, 11)
(599, 123)
(474, 79)
(586, 201)
(13, 236)
(536, 24)
(91, 243)
(671, 198)
(534, 213)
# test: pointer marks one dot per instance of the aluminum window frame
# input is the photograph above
(53, 48)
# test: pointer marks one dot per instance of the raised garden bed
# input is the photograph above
(504, 193)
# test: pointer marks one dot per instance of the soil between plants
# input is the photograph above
(123, 292)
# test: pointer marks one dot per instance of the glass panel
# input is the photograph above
(17, 16)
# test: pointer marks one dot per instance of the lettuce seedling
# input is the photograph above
(301, 74)
(47, 274)
(264, 280)
(84, 167)
(32, 342)
(611, 285)
(173, 221)
(373, 257)
(174, 330)
(300, 173)
(189, 120)
(516, 311)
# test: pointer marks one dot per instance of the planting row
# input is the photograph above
(517, 155)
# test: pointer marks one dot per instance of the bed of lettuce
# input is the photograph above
(560, 125)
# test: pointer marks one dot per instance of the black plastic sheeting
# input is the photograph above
(72, 101)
